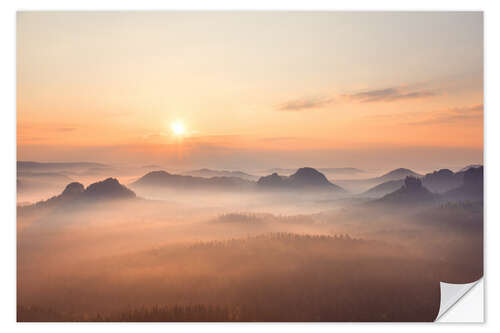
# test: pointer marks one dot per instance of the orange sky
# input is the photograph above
(266, 87)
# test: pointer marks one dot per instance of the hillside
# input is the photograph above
(76, 193)
(472, 188)
(163, 179)
(303, 179)
(384, 188)
(438, 181)
(411, 193)
(364, 185)
(208, 173)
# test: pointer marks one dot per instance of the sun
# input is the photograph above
(178, 128)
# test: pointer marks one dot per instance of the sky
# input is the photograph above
(247, 90)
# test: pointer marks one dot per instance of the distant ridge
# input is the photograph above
(163, 179)
(309, 177)
(442, 180)
(472, 188)
(364, 185)
(412, 193)
(272, 180)
(341, 171)
(57, 165)
(333, 171)
(438, 181)
(384, 188)
(209, 173)
(396, 174)
(43, 175)
(108, 189)
(474, 166)
(303, 178)
(399, 173)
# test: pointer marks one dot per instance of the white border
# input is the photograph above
(454, 295)
(469, 308)
(492, 160)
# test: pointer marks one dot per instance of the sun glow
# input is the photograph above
(178, 128)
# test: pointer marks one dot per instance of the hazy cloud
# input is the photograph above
(305, 104)
(422, 118)
(65, 129)
(280, 139)
(368, 96)
(452, 115)
(389, 95)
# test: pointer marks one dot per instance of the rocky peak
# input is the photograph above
(73, 189)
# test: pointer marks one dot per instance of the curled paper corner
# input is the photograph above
(451, 293)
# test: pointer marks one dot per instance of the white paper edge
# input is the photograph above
(461, 302)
